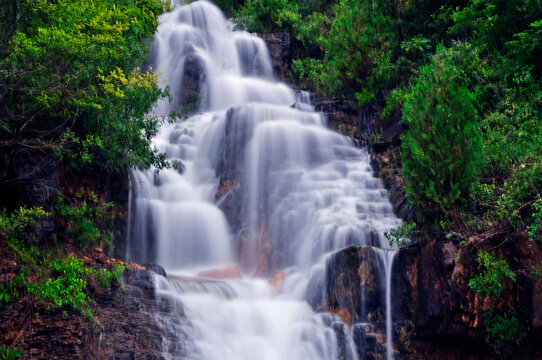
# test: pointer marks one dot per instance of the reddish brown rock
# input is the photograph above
(277, 280)
(231, 272)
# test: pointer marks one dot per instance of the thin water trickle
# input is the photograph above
(264, 187)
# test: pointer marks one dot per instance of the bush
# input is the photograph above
(65, 285)
(359, 47)
(442, 147)
(86, 218)
(504, 330)
(401, 235)
(494, 274)
(109, 278)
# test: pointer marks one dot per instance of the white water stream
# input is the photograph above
(303, 192)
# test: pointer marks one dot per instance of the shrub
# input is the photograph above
(504, 330)
(359, 47)
(401, 235)
(108, 278)
(441, 148)
(87, 218)
(494, 274)
(65, 285)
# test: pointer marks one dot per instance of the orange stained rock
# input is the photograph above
(345, 315)
(231, 272)
(276, 281)
(133, 265)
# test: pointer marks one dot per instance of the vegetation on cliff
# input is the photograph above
(71, 89)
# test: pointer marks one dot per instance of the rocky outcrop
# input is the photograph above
(387, 166)
(282, 49)
(192, 83)
(347, 118)
(355, 291)
(354, 285)
(126, 325)
(435, 313)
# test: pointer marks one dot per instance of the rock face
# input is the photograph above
(354, 287)
(282, 48)
(192, 80)
(231, 172)
(126, 326)
(355, 291)
(435, 313)
(349, 119)
(109, 187)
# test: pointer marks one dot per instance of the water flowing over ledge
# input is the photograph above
(266, 188)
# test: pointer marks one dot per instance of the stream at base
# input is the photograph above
(265, 191)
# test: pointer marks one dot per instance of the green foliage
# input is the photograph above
(87, 218)
(401, 235)
(535, 229)
(11, 290)
(20, 229)
(108, 278)
(442, 145)
(494, 274)
(70, 68)
(10, 354)
(267, 16)
(64, 285)
(359, 47)
(504, 330)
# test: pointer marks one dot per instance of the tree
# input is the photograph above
(69, 80)
(441, 148)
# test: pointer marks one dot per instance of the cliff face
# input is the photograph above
(126, 323)
(435, 314)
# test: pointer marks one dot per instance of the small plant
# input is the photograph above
(107, 278)
(401, 235)
(21, 224)
(9, 354)
(86, 218)
(494, 274)
(10, 290)
(504, 330)
(65, 286)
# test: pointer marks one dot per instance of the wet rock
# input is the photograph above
(343, 347)
(134, 323)
(231, 272)
(354, 285)
(281, 50)
(387, 166)
(347, 118)
(156, 268)
(192, 83)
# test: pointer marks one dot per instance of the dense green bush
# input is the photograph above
(494, 274)
(359, 47)
(504, 329)
(64, 285)
(442, 147)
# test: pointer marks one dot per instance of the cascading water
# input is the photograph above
(263, 185)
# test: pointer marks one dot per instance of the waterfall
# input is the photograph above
(264, 189)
